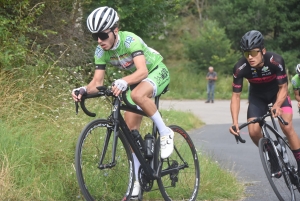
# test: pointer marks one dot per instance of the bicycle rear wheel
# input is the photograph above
(276, 170)
(110, 183)
(180, 174)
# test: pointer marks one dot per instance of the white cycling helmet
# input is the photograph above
(298, 69)
(101, 19)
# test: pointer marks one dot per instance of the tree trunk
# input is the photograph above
(200, 4)
(76, 17)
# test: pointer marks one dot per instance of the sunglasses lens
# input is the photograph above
(246, 54)
(253, 53)
(101, 35)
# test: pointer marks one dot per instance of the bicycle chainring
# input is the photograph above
(174, 175)
(146, 184)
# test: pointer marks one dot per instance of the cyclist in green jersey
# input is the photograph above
(148, 77)
(296, 84)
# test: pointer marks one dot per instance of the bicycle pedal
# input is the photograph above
(277, 174)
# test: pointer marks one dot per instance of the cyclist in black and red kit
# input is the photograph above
(266, 74)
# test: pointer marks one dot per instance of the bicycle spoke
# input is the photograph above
(276, 171)
(107, 183)
(180, 172)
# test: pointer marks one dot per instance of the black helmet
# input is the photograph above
(252, 39)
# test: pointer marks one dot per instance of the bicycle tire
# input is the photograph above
(113, 183)
(293, 166)
(280, 183)
(184, 184)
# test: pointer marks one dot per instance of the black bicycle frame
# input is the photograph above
(119, 122)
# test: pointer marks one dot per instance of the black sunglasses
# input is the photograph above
(101, 35)
(253, 53)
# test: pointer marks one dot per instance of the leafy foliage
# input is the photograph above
(277, 20)
(147, 17)
(211, 48)
(15, 24)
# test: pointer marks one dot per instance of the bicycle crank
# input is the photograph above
(146, 184)
(174, 175)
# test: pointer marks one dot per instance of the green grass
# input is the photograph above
(188, 85)
(39, 131)
(218, 183)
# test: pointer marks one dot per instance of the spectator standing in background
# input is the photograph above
(211, 78)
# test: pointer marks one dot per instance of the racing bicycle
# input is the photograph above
(277, 158)
(104, 162)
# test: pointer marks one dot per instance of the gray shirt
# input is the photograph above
(213, 75)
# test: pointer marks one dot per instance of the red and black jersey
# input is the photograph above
(262, 80)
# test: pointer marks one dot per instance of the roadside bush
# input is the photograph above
(15, 24)
(211, 48)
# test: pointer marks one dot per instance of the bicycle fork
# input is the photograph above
(103, 153)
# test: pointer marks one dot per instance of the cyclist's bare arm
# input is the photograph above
(97, 80)
(297, 94)
(140, 73)
(281, 96)
(235, 109)
(137, 76)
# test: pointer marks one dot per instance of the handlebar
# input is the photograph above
(103, 91)
(238, 138)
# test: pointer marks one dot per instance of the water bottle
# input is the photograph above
(284, 154)
(282, 150)
(149, 146)
(138, 139)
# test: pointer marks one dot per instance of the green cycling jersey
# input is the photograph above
(296, 82)
(121, 55)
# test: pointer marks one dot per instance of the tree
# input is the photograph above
(288, 31)
(145, 17)
(16, 22)
(240, 16)
(277, 20)
(211, 48)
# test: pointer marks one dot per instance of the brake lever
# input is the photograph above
(76, 102)
(281, 119)
(238, 138)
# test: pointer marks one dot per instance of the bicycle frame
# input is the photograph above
(119, 123)
(263, 124)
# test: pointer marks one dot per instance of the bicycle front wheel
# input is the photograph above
(180, 173)
(276, 171)
(111, 181)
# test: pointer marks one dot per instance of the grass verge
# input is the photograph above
(39, 130)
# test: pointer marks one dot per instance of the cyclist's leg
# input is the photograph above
(275, 170)
(289, 131)
(257, 107)
(150, 87)
(133, 122)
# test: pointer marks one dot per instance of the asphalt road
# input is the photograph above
(215, 140)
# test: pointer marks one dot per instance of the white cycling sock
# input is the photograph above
(137, 164)
(161, 126)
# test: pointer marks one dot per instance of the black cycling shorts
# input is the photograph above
(258, 105)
